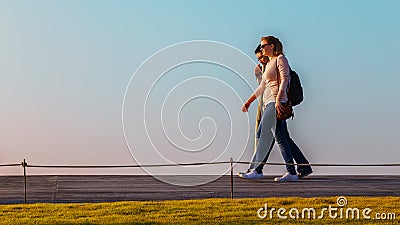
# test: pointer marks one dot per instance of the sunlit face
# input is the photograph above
(267, 49)
(261, 58)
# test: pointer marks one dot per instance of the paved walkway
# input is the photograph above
(62, 189)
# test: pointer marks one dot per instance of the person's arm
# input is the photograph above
(258, 73)
(284, 71)
(254, 96)
(284, 76)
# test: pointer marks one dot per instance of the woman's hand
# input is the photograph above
(245, 107)
(279, 107)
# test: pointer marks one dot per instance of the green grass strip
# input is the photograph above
(205, 211)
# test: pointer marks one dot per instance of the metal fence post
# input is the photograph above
(24, 165)
(231, 160)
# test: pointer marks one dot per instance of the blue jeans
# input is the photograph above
(266, 136)
(288, 148)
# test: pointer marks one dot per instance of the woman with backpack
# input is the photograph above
(274, 85)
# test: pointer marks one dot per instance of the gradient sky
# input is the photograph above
(65, 66)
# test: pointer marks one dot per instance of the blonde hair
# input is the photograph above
(278, 48)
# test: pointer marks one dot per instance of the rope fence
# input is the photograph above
(199, 164)
(231, 162)
(9, 165)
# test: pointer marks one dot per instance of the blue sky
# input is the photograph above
(65, 66)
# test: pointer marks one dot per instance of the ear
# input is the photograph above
(272, 46)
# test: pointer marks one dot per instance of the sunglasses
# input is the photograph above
(262, 46)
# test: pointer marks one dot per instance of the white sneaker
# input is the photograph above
(287, 177)
(244, 172)
(252, 175)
